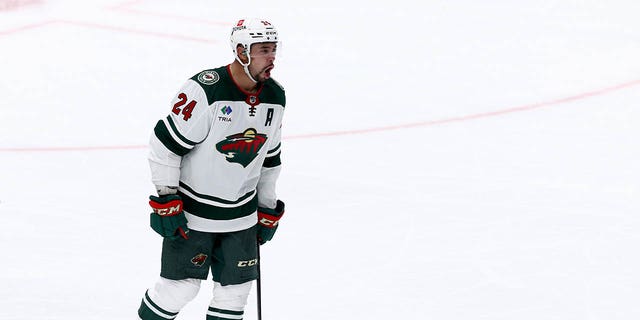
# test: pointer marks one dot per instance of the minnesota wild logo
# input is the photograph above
(199, 259)
(243, 147)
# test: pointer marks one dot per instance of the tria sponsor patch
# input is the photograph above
(225, 111)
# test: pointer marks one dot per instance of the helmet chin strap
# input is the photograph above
(245, 66)
(246, 70)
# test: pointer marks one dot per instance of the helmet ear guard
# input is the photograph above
(241, 52)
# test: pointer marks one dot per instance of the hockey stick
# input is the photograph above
(259, 286)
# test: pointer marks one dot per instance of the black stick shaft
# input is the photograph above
(259, 286)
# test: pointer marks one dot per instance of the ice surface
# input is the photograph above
(442, 160)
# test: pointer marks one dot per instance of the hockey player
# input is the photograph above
(214, 161)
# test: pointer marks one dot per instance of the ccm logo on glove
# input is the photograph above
(171, 208)
(167, 218)
(268, 221)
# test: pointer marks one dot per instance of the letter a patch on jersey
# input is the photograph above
(243, 147)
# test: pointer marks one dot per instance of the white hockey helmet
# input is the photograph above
(249, 31)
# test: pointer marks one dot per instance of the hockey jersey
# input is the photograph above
(221, 146)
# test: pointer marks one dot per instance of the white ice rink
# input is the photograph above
(445, 160)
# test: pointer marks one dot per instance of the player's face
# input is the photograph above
(262, 57)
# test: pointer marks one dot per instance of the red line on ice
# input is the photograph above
(136, 31)
(105, 27)
(27, 27)
(469, 117)
(475, 116)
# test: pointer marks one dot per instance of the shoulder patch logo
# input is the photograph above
(208, 77)
(242, 148)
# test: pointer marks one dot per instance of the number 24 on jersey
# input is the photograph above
(186, 110)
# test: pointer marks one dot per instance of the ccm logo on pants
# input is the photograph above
(248, 263)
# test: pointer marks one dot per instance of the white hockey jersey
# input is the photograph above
(221, 146)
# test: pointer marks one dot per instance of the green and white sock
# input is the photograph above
(221, 314)
(150, 311)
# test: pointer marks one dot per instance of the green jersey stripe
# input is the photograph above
(274, 150)
(212, 212)
(271, 162)
(214, 200)
(162, 133)
(175, 130)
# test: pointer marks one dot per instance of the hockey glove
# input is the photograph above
(268, 221)
(167, 218)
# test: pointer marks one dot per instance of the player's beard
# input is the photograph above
(264, 74)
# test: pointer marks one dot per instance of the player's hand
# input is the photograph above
(268, 221)
(167, 218)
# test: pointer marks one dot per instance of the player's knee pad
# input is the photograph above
(230, 297)
(172, 295)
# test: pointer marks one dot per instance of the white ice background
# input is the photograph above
(448, 160)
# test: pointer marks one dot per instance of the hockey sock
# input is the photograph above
(150, 311)
(221, 314)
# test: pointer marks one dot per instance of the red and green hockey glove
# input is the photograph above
(167, 218)
(268, 221)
